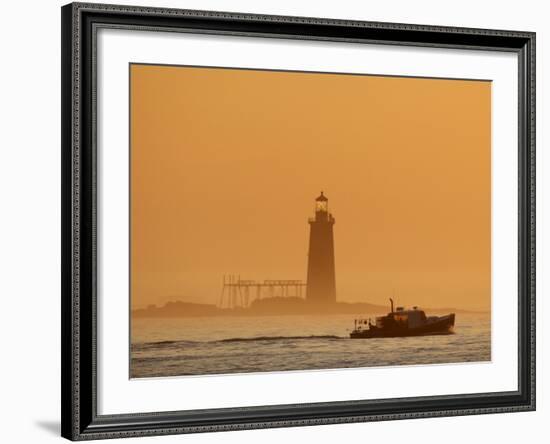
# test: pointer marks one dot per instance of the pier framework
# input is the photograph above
(237, 292)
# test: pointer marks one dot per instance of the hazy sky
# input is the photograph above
(226, 165)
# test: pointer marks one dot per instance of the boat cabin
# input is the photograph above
(405, 318)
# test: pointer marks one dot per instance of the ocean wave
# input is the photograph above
(161, 344)
(177, 343)
(279, 338)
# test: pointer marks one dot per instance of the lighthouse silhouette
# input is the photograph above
(321, 278)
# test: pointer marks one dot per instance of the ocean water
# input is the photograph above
(221, 345)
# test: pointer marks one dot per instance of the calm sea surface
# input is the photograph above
(218, 345)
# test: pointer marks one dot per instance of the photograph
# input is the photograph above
(297, 220)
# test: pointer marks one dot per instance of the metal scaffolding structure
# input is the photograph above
(237, 292)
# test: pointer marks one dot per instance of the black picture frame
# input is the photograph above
(79, 171)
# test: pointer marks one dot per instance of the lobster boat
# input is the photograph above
(401, 323)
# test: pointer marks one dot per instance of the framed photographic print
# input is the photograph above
(280, 221)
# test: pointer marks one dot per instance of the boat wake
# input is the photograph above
(279, 338)
(170, 344)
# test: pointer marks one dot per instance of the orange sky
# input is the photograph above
(226, 164)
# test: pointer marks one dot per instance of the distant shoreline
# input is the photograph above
(275, 306)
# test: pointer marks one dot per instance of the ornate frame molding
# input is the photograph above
(80, 420)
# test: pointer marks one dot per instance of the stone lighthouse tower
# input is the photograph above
(321, 280)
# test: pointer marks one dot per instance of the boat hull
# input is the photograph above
(442, 326)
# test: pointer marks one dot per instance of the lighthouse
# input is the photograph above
(321, 280)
